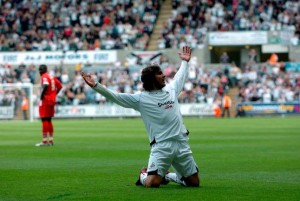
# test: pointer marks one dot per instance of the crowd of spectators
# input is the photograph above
(104, 24)
(22, 73)
(95, 24)
(191, 20)
(267, 83)
(12, 96)
(76, 25)
(264, 82)
(257, 82)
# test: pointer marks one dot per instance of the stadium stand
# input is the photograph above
(76, 25)
(89, 25)
(190, 21)
(148, 25)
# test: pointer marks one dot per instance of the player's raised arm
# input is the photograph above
(123, 99)
(182, 74)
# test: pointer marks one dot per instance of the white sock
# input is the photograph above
(174, 178)
(143, 177)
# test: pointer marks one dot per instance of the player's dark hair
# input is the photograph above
(43, 68)
(148, 76)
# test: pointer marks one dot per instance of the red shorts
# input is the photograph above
(46, 111)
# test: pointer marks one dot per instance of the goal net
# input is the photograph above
(16, 101)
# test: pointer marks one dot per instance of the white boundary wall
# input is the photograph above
(6, 112)
(87, 111)
(56, 57)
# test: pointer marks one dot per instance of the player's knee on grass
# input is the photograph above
(153, 181)
(193, 181)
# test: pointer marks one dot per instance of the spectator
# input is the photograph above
(252, 57)
(273, 59)
(226, 105)
(217, 108)
(65, 77)
(224, 58)
(25, 106)
(240, 112)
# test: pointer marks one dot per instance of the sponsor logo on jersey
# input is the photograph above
(167, 105)
(152, 165)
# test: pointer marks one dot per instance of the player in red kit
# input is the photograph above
(50, 86)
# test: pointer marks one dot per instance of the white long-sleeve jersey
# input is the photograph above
(159, 109)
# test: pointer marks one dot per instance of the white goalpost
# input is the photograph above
(11, 95)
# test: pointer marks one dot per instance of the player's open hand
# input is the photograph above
(88, 79)
(186, 53)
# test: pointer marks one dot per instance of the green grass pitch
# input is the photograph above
(99, 159)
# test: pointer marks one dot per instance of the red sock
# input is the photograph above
(45, 131)
(50, 126)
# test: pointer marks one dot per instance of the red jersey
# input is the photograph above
(53, 86)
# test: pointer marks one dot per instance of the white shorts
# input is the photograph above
(173, 153)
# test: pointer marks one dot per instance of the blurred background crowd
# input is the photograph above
(257, 82)
(51, 25)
